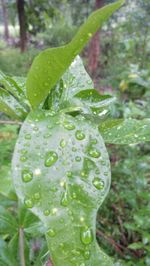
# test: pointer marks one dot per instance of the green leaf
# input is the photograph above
(8, 223)
(10, 106)
(129, 131)
(50, 65)
(6, 186)
(6, 255)
(137, 245)
(63, 180)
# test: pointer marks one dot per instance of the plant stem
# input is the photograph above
(21, 246)
(7, 122)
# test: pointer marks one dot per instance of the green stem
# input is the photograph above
(21, 246)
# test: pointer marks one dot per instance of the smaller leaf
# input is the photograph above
(10, 106)
(93, 98)
(129, 131)
(137, 245)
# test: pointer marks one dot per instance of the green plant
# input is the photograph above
(60, 165)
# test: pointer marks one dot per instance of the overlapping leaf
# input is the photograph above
(129, 131)
(50, 65)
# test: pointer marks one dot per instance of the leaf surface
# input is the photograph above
(129, 131)
(61, 172)
(50, 65)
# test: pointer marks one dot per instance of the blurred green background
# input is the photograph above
(118, 59)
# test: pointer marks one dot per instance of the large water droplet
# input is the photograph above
(98, 183)
(79, 135)
(28, 203)
(94, 153)
(50, 158)
(86, 236)
(51, 233)
(27, 175)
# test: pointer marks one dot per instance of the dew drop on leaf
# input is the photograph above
(27, 175)
(78, 159)
(27, 136)
(51, 233)
(28, 203)
(62, 143)
(79, 135)
(23, 158)
(87, 254)
(37, 196)
(86, 236)
(94, 153)
(64, 200)
(50, 158)
(46, 212)
(98, 183)
(69, 126)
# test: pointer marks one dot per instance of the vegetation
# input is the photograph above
(55, 138)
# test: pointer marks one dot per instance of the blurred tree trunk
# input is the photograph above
(22, 25)
(5, 20)
(94, 46)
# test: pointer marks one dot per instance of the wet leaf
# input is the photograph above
(10, 106)
(50, 65)
(71, 178)
(129, 131)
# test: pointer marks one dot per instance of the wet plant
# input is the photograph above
(60, 166)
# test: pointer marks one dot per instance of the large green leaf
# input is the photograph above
(49, 65)
(129, 131)
(61, 172)
(10, 106)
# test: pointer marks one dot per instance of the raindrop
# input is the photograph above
(27, 175)
(64, 200)
(98, 183)
(78, 159)
(27, 136)
(46, 212)
(62, 143)
(69, 126)
(51, 233)
(37, 196)
(79, 135)
(94, 153)
(28, 203)
(23, 158)
(51, 158)
(69, 174)
(86, 236)
(87, 254)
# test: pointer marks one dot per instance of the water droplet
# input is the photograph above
(37, 171)
(94, 153)
(75, 252)
(37, 196)
(51, 233)
(62, 143)
(23, 158)
(94, 141)
(27, 175)
(98, 183)
(46, 212)
(64, 200)
(27, 136)
(28, 203)
(86, 236)
(69, 126)
(79, 135)
(69, 174)
(87, 254)
(74, 149)
(78, 159)
(51, 158)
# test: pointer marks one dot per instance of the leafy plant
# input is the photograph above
(60, 166)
